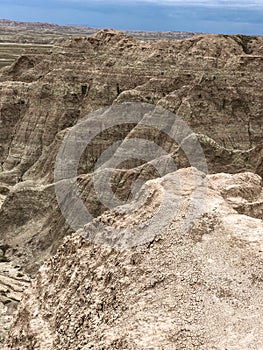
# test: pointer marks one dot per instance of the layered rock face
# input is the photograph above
(209, 81)
(191, 284)
(212, 82)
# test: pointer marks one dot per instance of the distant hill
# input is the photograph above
(30, 32)
(18, 37)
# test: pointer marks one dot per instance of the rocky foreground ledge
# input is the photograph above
(199, 288)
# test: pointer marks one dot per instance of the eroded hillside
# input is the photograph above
(194, 289)
(212, 82)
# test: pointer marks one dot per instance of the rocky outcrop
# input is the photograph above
(242, 191)
(196, 286)
(13, 281)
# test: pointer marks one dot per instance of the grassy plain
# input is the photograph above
(10, 51)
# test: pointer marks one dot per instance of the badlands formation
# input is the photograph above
(173, 266)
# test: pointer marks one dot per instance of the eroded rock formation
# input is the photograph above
(199, 288)
(212, 82)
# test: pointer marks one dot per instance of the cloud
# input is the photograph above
(207, 3)
(209, 16)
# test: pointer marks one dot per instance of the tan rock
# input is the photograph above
(195, 289)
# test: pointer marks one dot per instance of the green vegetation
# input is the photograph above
(10, 51)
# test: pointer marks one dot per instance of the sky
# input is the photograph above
(206, 16)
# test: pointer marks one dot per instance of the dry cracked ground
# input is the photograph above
(178, 265)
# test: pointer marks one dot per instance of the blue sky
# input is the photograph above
(209, 16)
